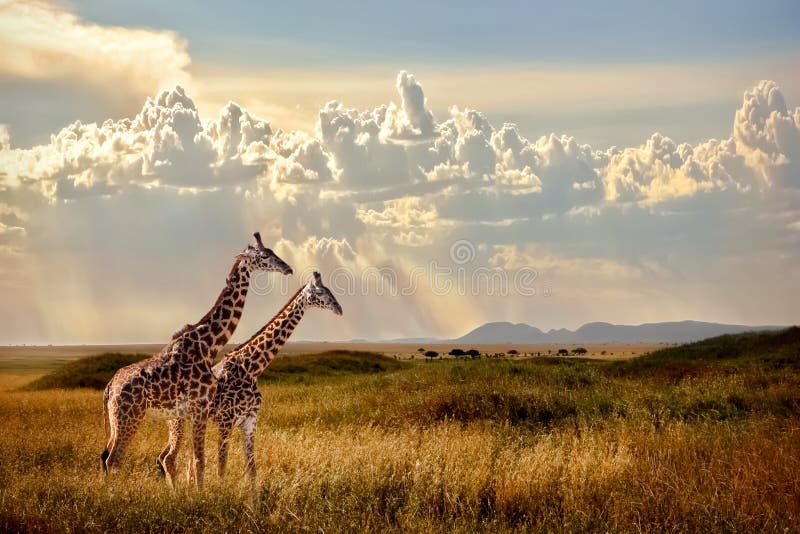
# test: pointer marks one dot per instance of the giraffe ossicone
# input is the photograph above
(178, 381)
(237, 400)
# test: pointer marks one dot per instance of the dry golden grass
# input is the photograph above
(456, 446)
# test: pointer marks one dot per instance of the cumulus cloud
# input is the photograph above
(411, 221)
(5, 139)
(767, 134)
(168, 145)
(392, 186)
(42, 41)
(411, 119)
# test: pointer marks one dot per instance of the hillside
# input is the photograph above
(94, 372)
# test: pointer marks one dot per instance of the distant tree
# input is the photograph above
(420, 349)
(579, 350)
(513, 352)
(431, 354)
(563, 352)
(474, 354)
(458, 353)
(549, 352)
(603, 353)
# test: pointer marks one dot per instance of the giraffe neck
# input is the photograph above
(256, 354)
(218, 325)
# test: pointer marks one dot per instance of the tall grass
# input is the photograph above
(457, 446)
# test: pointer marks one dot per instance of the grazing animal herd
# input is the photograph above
(182, 383)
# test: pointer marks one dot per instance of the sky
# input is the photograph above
(442, 164)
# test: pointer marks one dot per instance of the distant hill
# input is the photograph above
(669, 332)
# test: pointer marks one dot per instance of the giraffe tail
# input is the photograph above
(106, 424)
(106, 429)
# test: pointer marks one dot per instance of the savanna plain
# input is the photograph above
(700, 437)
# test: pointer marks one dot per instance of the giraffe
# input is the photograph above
(178, 382)
(237, 399)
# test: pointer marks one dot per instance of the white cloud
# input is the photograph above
(42, 41)
(5, 140)
(391, 186)
(767, 134)
(411, 221)
(412, 118)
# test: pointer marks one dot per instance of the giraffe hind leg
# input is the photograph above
(167, 459)
(222, 453)
(123, 427)
(248, 427)
(197, 464)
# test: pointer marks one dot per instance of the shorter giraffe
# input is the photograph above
(237, 399)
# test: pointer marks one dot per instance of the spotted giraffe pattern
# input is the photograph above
(178, 382)
(237, 400)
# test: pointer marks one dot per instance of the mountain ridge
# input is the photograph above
(595, 332)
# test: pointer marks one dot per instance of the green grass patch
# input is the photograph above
(92, 372)
(334, 363)
(731, 353)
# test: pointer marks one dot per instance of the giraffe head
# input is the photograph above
(261, 258)
(319, 296)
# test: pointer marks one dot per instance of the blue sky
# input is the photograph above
(640, 162)
(722, 41)
(414, 31)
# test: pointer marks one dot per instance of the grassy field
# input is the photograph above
(22, 359)
(703, 437)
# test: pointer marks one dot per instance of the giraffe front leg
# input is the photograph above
(197, 465)
(168, 458)
(249, 430)
(222, 453)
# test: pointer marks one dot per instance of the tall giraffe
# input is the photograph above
(178, 381)
(237, 400)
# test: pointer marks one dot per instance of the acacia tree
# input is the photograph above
(431, 354)
(458, 353)
(474, 354)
